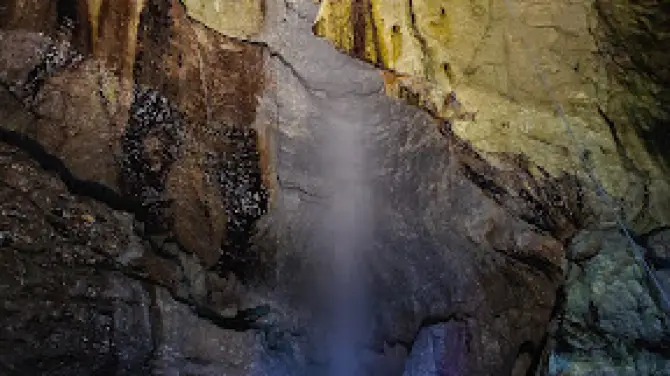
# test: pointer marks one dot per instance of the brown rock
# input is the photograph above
(78, 112)
(213, 79)
(112, 133)
(198, 212)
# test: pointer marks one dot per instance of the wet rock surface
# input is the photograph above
(445, 247)
(185, 183)
(612, 321)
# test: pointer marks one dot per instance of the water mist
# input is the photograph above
(347, 231)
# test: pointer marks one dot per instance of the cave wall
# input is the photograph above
(208, 136)
(489, 53)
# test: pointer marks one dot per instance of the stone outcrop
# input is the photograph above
(189, 152)
(611, 322)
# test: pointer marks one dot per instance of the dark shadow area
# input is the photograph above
(634, 38)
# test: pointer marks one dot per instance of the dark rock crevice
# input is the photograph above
(633, 41)
(620, 148)
(79, 187)
(243, 320)
(416, 33)
(533, 263)
(553, 205)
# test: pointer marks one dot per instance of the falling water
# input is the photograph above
(347, 225)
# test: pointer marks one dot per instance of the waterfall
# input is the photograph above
(347, 226)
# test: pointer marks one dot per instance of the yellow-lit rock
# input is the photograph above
(490, 54)
(234, 18)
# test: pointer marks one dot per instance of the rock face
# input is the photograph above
(499, 73)
(181, 226)
(610, 322)
(137, 143)
(498, 70)
(83, 294)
